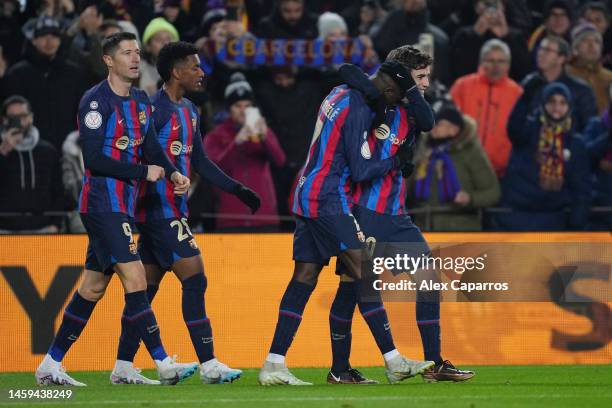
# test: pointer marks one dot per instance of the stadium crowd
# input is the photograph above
(521, 90)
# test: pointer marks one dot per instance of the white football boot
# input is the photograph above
(278, 374)
(125, 373)
(170, 372)
(215, 372)
(50, 372)
(400, 368)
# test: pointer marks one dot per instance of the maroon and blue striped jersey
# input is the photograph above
(339, 155)
(112, 131)
(386, 195)
(178, 133)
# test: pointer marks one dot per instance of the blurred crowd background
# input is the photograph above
(521, 90)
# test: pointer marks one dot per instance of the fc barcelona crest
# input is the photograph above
(142, 117)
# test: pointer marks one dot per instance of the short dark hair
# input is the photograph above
(410, 57)
(596, 6)
(564, 47)
(171, 54)
(12, 100)
(111, 43)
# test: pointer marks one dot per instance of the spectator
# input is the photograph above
(52, 85)
(11, 37)
(290, 105)
(175, 15)
(548, 170)
(364, 17)
(245, 152)
(552, 56)
(488, 96)
(557, 21)
(109, 27)
(451, 156)
(289, 20)
(587, 45)
(598, 138)
(72, 178)
(86, 43)
(491, 23)
(598, 14)
(405, 26)
(158, 33)
(31, 176)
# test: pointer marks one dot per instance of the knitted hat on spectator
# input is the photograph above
(211, 17)
(157, 25)
(556, 88)
(47, 25)
(582, 30)
(329, 21)
(450, 113)
(238, 90)
(561, 4)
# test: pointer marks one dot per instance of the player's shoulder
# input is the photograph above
(94, 96)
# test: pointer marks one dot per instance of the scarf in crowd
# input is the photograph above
(438, 164)
(550, 153)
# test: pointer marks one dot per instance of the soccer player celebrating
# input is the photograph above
(380, 210)
(325, 227)
(166, 242)
(116, 129)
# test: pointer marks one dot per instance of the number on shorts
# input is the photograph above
(127, 230)
(182, 226)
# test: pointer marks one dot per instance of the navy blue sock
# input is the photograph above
(375, 315)
(140, 314)
(290, 315)
(194, 314)
(428, 320)
(129, 342)
(340, 322)
(75, 318)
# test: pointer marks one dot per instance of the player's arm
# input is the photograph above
(92, 124)
(418, 108)
(211, 172)
(155, 154)
(358, 155)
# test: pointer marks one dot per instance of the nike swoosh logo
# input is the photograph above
(399, 76)
(335, 378)
(175, 127)
(121, 121)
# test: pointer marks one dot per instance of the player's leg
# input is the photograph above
(398, 367)
(124, 371)
(303, 282)
(190, 271)
(140, 314)
(76, 315)
(340, 322)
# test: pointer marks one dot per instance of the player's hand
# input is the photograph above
(405, 154)
(462, 198)
(155, 173)
(248, 197)
(181, 183)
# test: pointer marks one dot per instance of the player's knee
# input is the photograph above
(196, 284)
(307, 274)
(93, 293)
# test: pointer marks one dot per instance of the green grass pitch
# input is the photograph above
(494, 386)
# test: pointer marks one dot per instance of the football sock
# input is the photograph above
(290, 315)
(129, 342)
(375, 315)
(140, 314)
(340, 322)
(75, 318)
(194, 314)
(428, 321)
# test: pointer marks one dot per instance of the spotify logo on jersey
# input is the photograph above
(122, 143)
(176, 147)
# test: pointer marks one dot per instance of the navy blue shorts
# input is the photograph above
(111, 241)
(316, 240)
(163, 242)
(388, 235)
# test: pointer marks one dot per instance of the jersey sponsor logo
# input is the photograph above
(93, 105)
(124, 141)
(193, 123)
(177, 148)
(93, 119)
(142, 117)
(365, 151)
(330, 110)
(302, 181)
(382, 132)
